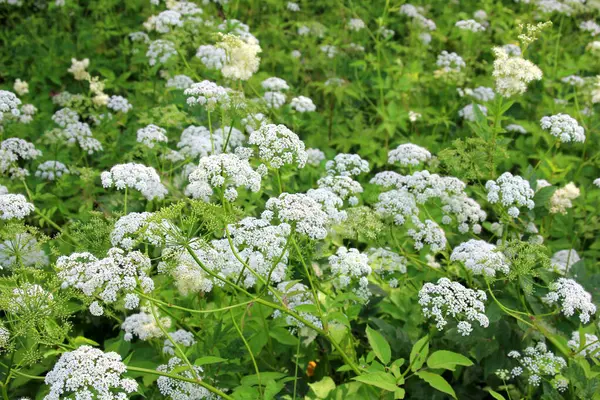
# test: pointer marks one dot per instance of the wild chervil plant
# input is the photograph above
(299, 200)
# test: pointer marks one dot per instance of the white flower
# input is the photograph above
(293, 7)
(144, 326)
(126, 230)
(274, 99)
(480, 257)
(211, 56)
(572, 297)
(86, 373)
(448, 299)
(22, 249)
(296, 54)
(347, 165)
(397, 204)
(590, 26)
(414, 116)
(274, 84)
(96, 309)
(450, 62)
(152, 134)
(513, 73)
(332, 204)
(427, 233)
(386, 262)
(356, 24)
(164, 22)
(4, 337)
(78, 69)
(348, 265)
(573, 80)
(65, 116)
(14, 206)
(408, 154)
(180, 82)
(590, 347)
(470, 25)
(181, 390)
(299, 210)
(119, 103)
(207, 94)
(515, 128)
(536, 361)
(302, 104)
(21, 87)
(278, 146)
(51, 170)
(135, 176)
(480, 93)
(315, 157)
(160, 51)
(31, 298)
(242, 59)
(563, 260)
(139, 37)
(80, 133)
(344, 187)
(182, 338)
(511, 191)
(563, 127)
(468, 112)
(329, 50)
(226, 171)
(561, 198)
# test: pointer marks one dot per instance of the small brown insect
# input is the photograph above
(310, 369)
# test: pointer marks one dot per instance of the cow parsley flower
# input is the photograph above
(590, 26)
(242, 59)
(178, 389)
(329, 50)
(299, 210)
(65, 116)
(448, 299)
(468, 112)
(144, 325)
(78, 69)
(408, 154)
(563, 127)
(119, 104)
(21, 87)
(513, 73)
(385, 262)
(470, 25)
(4, 337)
(226, 171)
(536, 362)
(480, 258)
(14, 206)
(31, 298)
(86, 373)
(9, 104)
(80, 133)
(347, 165)
(274, 84)
(188, 276)
(397, 204)
(572, 297)
(561, 199)
(314, 157)
(348, 265)
(356, 24)
(182, 338)
(51, 170)
(180, 82)
(450, 62)
(135, 176)
(211, 56)
(13, 150)
(125, 234)
(515, 128)
(590, 346)
(428, 233)
(480, 93)
(302, 104)
(207, 94)
(512, 192)
(152, 134)
(160, 51)
(22, 249)
(563, 260)
(278, 146)
(274, 99)
(344, 187)
(164, 22)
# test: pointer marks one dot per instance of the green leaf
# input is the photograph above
(323, 387)
(250, 380)
(419, 353)
(447, 360)
(379, 345)
(542, 197)
(496, 395)
(381, 380)
(283, 336)
(80, 341)
(272, 388)
(437, 382)
(208, 360)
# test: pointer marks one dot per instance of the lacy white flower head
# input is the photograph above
(466, 211)
(515, 128)
(302, 104)
(293, 7)
(347, 165)
(274, 99)
(108, 279)
(188, 276)
(14, 206)
(355, 48)
(31, 298)
(512, 192)
(133, 228)
(208, 94)
(242, 59)
(408, 154)
(332, 204)
(590, 347)
(252, 122)
(144, 325)
(536, 362)
(513, 73)
(87, 373)
(78, 69)
(211, 56)
(135, 176)
(564, 127)
(356, 24)
(274, 84)
(80, 133)
(422, 184)
(298, 54)
(563, 260)
(329, 50)
(385, 262)
(414, 116)
(573, 80)
(160, 51)
(470, 25)
(182, 338)
(139, 37)
(51, 170)
(481, 258)
(163, 22)
(225, 171)
(27, 113)
(427, 233)
(344, 187)
(468, 112)
(590, 26)
(450, 62)
(296, 294)
(278, 146)
(448, 299)
(4, 337)
(13, 150)
(315, 157)
(572, 297)
(480, 93)
(22, 249)
(348, 265)
(180, 82)
(21, 87)
(65, 116)
(195, 142)
(396, 204)
(561, 199)
(151, 135)
(299, 210)
(182, 390)
(119, 103)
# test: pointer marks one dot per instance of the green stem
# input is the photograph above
(239, 331)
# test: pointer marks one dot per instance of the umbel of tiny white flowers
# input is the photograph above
(480, 257)
(242, 59)
(278, 146)
(538, 361)
(564, 127)
(151, 135)
(511, 191)
(14, 206)
(572, 297)
(513, 73)
(135, 176)
(408, 154)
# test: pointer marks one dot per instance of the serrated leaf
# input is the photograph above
(380, 346)
(437, 382)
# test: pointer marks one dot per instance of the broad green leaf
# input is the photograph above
(250, 380)
(447, 360)
(381, 380)
(496, 395)
(419, 353)
(208, 360)
(80, 341)
(437, 382)
(283, 336)
(323, 387)
(379, 345)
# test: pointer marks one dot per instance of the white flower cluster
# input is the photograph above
(278, 146)
(160, 51)
(4, 337)
(80, 133)
(397, 204)
(135, 176)
(302, 104)
(164, 22)
(590, 26)
(14, 206)
(538, 361)
(332, 204)
(207, 94)
(226, 171)
(451, 299)
(181, 337)
(329, 50)
(408, 154)
(78, 69)
(151, 135)
(314, 157)
(511, 191)
(22, 249)
(385, 262)
(590, 346)
(181, 390)
(116, 275)
(299, 210)
(144, 325)
(27, 113)
(274, 99)
(515, 128)
(180, 82)
(242, 59)
(65, 116)
(470, 25)
(211, 56)
(481, 258)
(480, 93)
(450, 62)
(573, 80)
(468, 112)
(572, 297)
(127, 230)
(274, 84)
(21, 87)
(254, 121)
(89, 373)
(417, 16)
(13, 150)
(561, 199)
(563, 260)
(356, 24)
(119, 104)
(188, 276)
(564, 127)
(348, 265)
(513, 73)
(427, 233)
(347, 165)
(51, 170)
(31, 298)
(342, 186)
